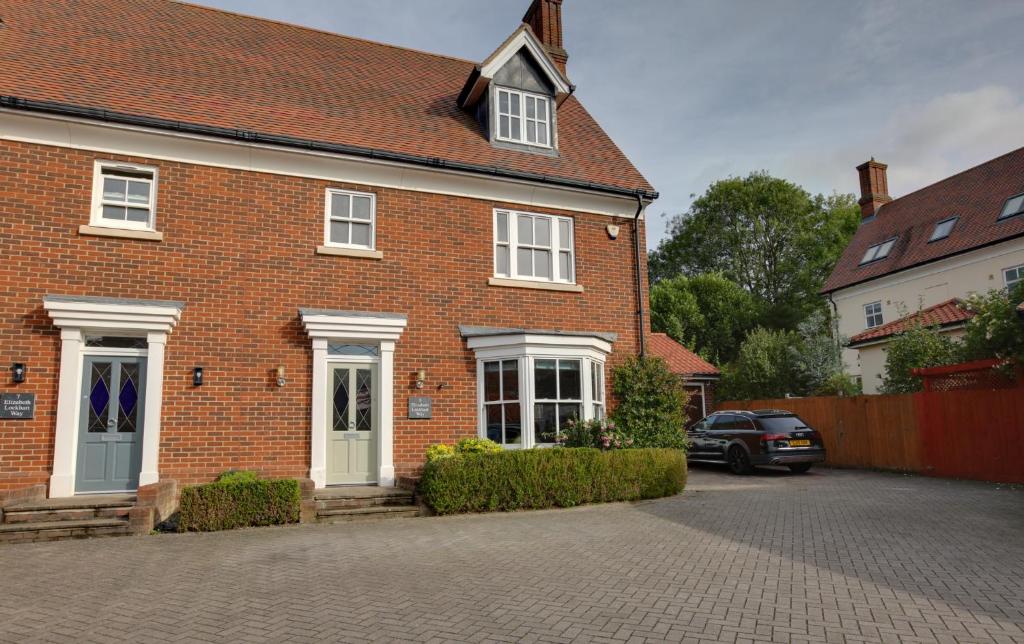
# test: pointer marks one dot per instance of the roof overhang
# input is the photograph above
(112, 314)
(523, 37)
(885, 339)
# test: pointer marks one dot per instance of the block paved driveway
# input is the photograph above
(832, 556)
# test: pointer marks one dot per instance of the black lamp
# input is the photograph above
(197, 376)
(18, 370)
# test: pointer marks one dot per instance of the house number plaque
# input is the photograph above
(18, 406)
(420, 407)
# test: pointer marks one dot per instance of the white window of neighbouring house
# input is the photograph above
(533, 247)
(502, 411)
(557, 395)
(597, 388)
(124, 196)
(523, 117)
(1013, 276)
(350, 220)
(873, 314)
(1013, 206)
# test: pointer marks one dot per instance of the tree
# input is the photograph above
(766, 367)
(707, 313)
(766, 234)
(996, 330)
(651, 402)
(916, 348)
(819, 358)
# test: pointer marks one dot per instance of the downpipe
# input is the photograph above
(639, 277)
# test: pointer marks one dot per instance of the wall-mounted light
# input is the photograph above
(613, 231)
(197, 376)
(18, 370)
(421, 378)
(280, 376)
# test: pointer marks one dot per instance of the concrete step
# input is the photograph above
(70, 514)
(53, 530)
(74, 503)
(365, 502)
(371, 513)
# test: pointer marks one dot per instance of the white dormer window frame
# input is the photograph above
(346, 219)
(124, 196)
(519, 117)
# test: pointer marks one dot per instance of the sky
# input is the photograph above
(698, 90)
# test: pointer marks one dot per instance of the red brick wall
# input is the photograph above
(238, 249)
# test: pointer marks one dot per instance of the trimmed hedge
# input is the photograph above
(238, 500)
(545, 478)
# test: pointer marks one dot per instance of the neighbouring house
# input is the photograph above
(914, 256)
(231, 242)
(699, 376)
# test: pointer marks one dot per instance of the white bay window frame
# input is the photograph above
(560, 246)
(130, 174)
(526, 349)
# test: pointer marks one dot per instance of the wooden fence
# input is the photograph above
(973, 434)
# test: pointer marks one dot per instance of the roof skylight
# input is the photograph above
(1014, 206)
(942, 229)
(878, 251)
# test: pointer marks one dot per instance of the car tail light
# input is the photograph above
(775, 437)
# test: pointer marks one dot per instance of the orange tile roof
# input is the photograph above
(207, 67)
(976, 196)
(680, 359)
(945, 314)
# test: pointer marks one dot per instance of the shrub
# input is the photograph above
(766, 367)
(477, 446)
(996, 330)
(440, 451)
(237, 500)
(593, 433)
(916, 348)
(545, 478)
(651, 403)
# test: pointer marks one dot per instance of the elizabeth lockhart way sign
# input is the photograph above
(420, 407)
(20, 406)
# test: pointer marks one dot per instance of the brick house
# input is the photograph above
(230, 242)
(915, 257)
(698, 375)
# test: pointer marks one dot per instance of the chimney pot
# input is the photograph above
(545, 19)
(874, 187)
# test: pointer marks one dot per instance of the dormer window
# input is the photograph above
(523, 117)
(878, 251)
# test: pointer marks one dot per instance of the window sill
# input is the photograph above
(123, 233)
(541, 286)
(349, 252)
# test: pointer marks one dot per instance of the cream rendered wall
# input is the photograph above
(872, 362)
(917, 288)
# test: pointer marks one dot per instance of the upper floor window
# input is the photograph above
(873, 314)
(943, 229)
(524, 117)
(350, 220)
(124, 196)
(1014, 206)
(1013, 276)
(878, 251)
(533, 247)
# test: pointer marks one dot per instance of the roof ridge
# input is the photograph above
(950, 177)
(239, 14)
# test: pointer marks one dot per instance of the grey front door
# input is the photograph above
(110, 424)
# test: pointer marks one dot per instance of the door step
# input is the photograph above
(358, 503)
(100, 515)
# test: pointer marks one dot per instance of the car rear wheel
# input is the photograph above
(738, 460)
(799, 468)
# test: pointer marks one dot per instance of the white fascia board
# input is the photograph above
(528, 344)
(152, 143)
(526, 39)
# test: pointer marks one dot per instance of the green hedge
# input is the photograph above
(238, 500)
(545, 478)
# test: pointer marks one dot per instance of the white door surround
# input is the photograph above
(76, 315)
(379, 329)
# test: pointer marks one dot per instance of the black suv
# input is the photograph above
(745, 439)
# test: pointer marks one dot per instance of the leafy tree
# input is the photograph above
(996, 330)
(916, 348)
(651, 400)
(707, 313)
(819, 358)
(768, 235)
(766, 367)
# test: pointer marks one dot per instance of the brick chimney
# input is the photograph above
(874, 187)
(545, 18)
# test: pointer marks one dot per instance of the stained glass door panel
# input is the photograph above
(353, 424)
(110, 424)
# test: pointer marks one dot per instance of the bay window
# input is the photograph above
(557, 395)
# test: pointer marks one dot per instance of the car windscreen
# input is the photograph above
(782, 424)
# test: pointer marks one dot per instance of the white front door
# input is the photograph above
(352, 423)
